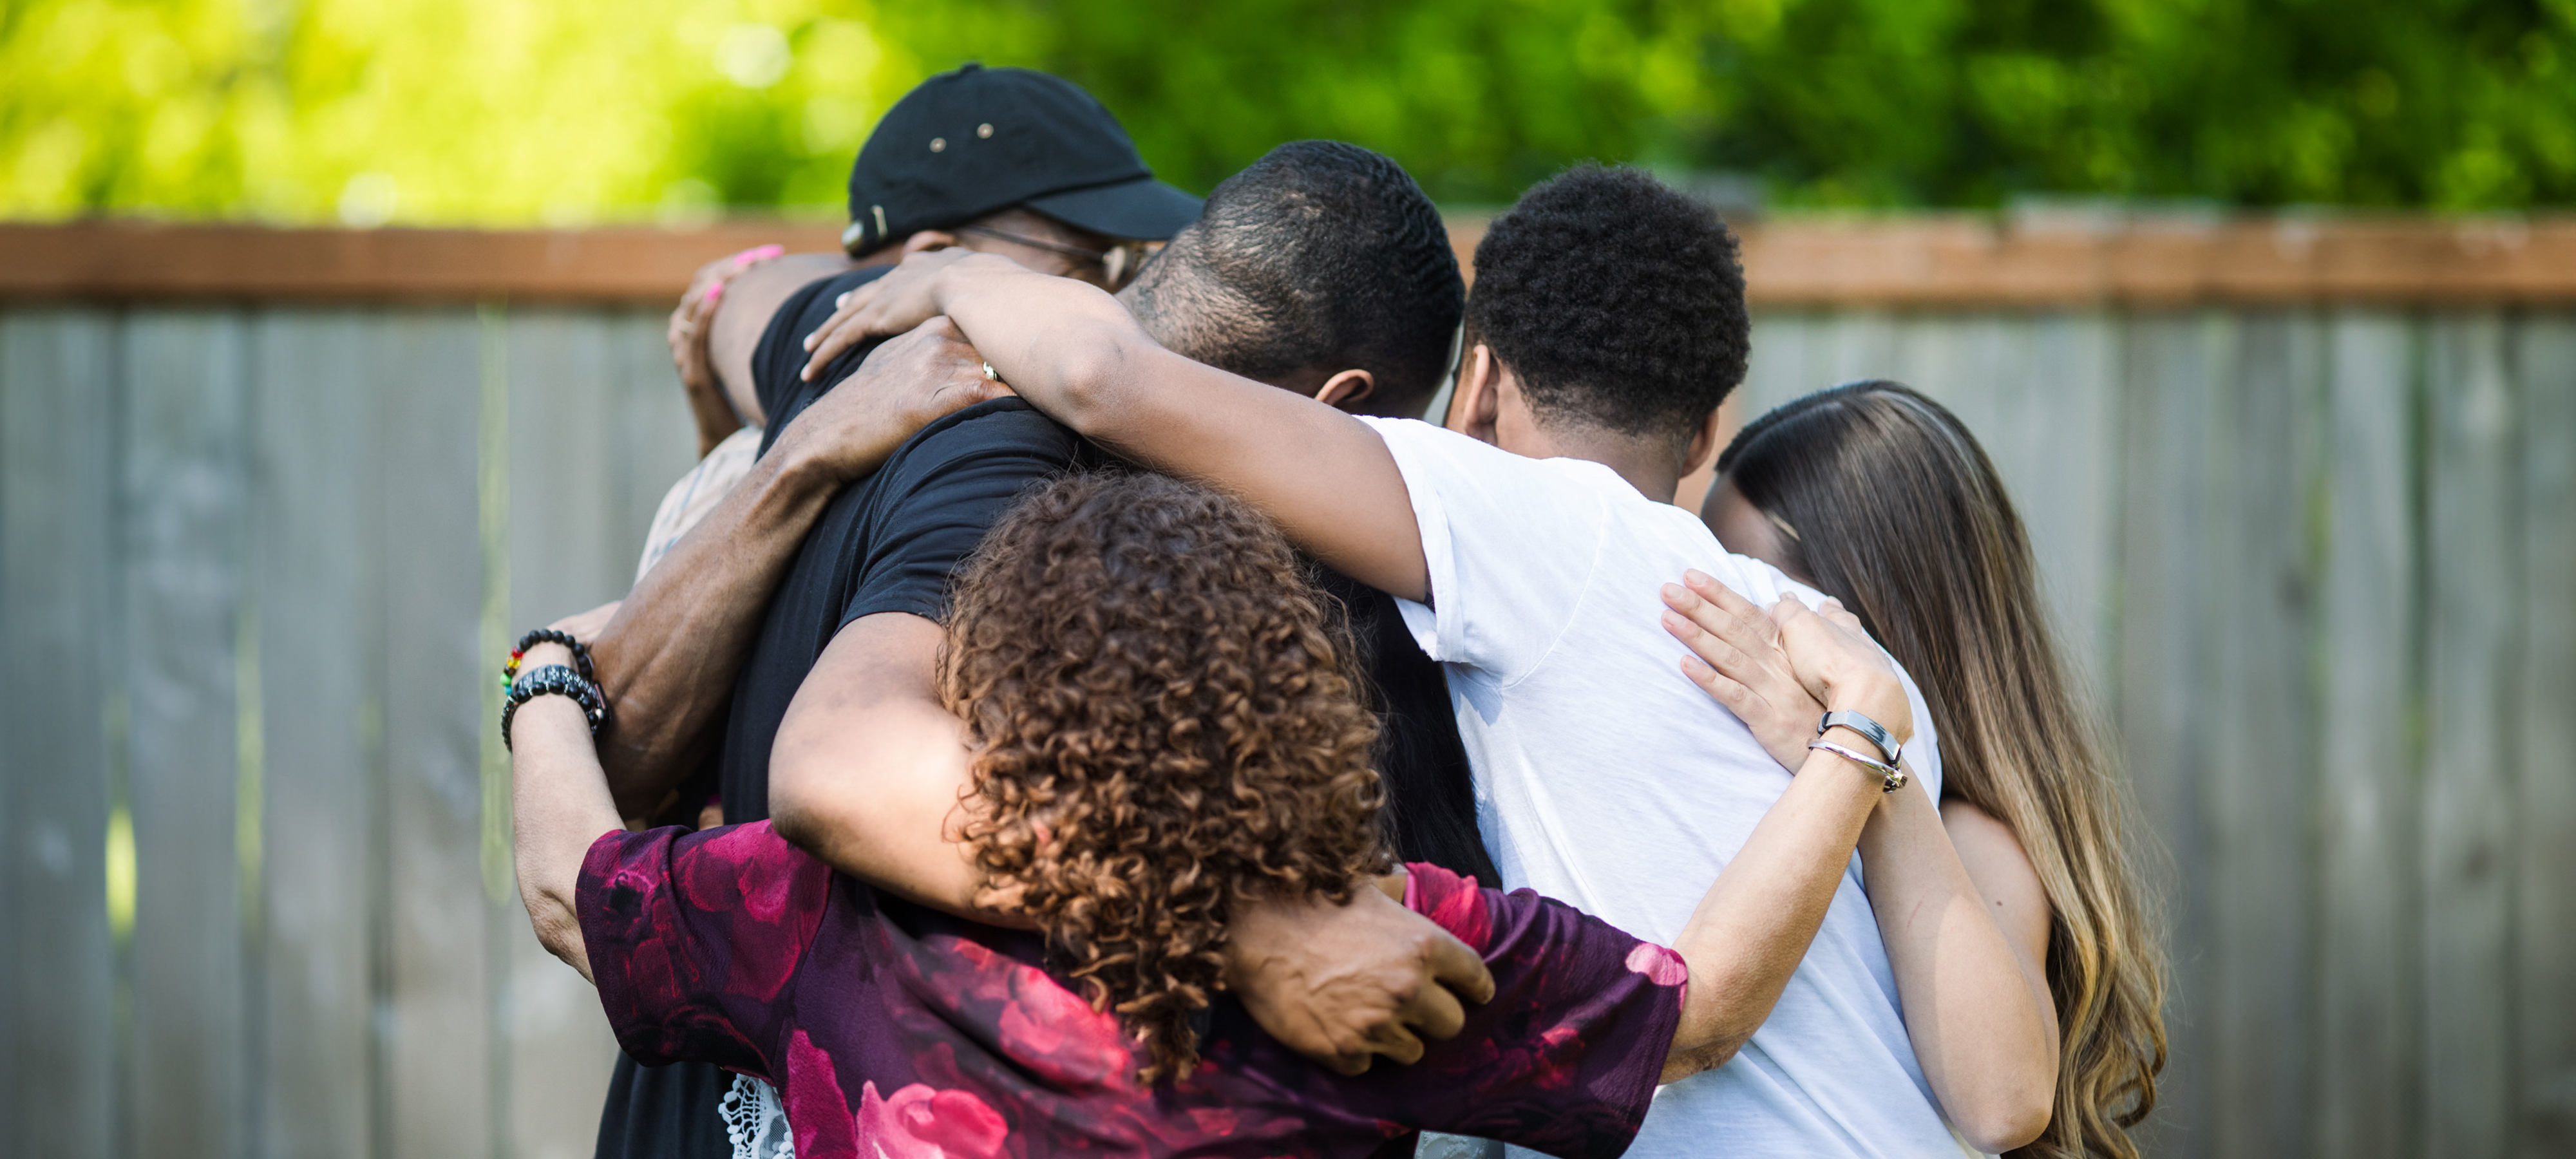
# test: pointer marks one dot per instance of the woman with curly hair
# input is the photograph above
(1878, 496)
(1163, 723)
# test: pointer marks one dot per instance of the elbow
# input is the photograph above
(557, 921)
(801, 805)
(1717, 1020)
(1689, 1058)
(2007, 1122)
(792, 808)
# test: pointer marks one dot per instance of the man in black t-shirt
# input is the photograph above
(1006, 161)
(1321, 269)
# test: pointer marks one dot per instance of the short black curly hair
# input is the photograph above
(1615, 300)
(1321, 255)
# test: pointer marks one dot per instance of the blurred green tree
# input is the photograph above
(507, 111)
(484, 111)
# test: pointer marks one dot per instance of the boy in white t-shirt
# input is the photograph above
(1530, 543)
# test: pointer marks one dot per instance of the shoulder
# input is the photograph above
(1003, 436)
(780, 354)
(810, 305)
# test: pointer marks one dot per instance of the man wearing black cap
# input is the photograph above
(1380, 291)
(1005, 161)
(1001, 160)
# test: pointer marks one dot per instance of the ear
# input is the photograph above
(1703, 445)
(927, 240)
(1477, 401)
(1345, 390)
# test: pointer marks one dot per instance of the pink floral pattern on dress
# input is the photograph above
(1665, 967)
(894, 1032)
(920, 1123)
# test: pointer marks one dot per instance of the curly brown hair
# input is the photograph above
(1167, 722)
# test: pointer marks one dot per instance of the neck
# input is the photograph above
(1646, 467)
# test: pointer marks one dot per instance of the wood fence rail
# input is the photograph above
(266, 523)
(2032, 261)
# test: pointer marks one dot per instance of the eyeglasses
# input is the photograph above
(1118, 264)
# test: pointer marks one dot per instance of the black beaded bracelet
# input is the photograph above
(580, 654)
(554, 680)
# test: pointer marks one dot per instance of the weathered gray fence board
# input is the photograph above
(2263, 461)
(2163, 665)
(184, 500)
(566, 554)
(317, 545)
(57, 613)
(2544, 1030)
(439, 1053)
(2042, 393)
(2470, 760)
(2065, 475)
(2369, 1074)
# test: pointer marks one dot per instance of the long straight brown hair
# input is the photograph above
(1889, 505)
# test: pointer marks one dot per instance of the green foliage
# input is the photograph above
(490, 111)
(516, 111)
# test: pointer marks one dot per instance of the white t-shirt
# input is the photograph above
(1606, 779)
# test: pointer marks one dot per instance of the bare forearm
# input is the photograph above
(559, 805)
(1752, 929)
(667, 661)
(1074, 353)
(1978, 1013)
(1058, 342)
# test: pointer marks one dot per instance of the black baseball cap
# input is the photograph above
(971, 142)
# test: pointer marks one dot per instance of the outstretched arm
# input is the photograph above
(1962, 913)
(1075, 353)
(667, 660)
(1752, 929)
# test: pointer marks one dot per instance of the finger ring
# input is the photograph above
(989, 376)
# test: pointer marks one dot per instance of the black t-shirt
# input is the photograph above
(890, 543)
(781, 352)
(885, 544)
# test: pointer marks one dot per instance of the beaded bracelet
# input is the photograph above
(580, 654)
(554, 680)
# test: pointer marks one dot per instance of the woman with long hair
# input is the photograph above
(1878, 497)
(1163, 724)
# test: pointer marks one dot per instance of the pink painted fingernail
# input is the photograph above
(714, 292)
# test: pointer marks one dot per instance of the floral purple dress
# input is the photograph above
(893, 1030)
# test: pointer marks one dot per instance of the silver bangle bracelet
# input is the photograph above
(1890, 748)
(1891, 778)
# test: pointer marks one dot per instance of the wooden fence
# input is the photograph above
(2305, 497)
